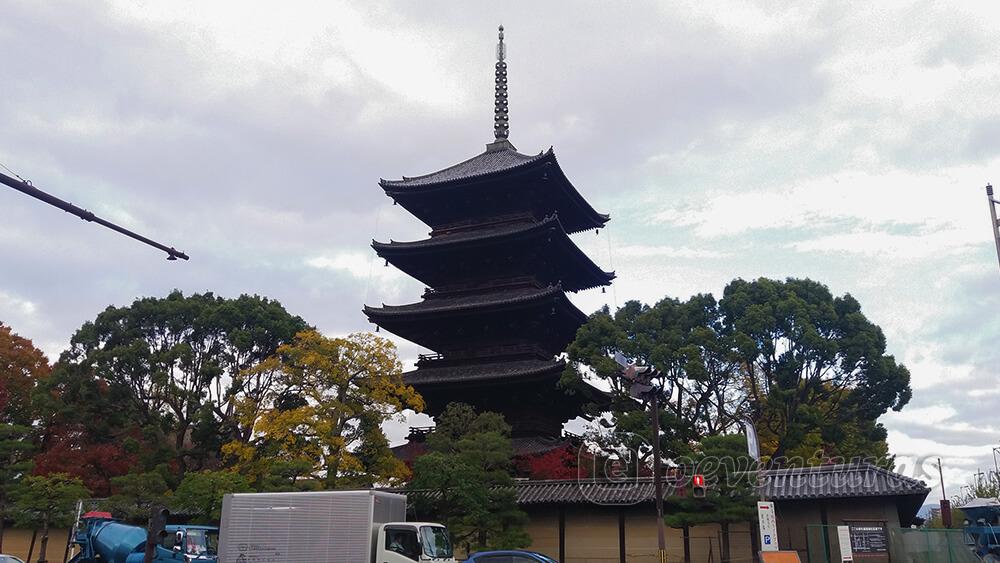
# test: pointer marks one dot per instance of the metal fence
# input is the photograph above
(903, 545)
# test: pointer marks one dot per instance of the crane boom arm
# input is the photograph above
(26, 188)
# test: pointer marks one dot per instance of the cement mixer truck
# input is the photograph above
(102, 539)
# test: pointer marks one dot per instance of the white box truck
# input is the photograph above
(327, 527)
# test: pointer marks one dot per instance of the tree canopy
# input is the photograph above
(22, 368)
(176, 400)
(815, 368)
(465, 480)
(46, 501)
(323, 414)
(808, 368)
(155, 382)
(200, 493)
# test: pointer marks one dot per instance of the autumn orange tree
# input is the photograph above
(323, 412)
(22, 368)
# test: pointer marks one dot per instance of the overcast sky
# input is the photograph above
(840, 142)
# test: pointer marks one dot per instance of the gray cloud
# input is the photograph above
(262, 162)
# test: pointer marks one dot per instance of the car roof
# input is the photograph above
(508, 552)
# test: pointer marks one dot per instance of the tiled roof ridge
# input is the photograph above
(512, 229)
(489, 370)
(525, 160)
(843, 468)
(496, 298)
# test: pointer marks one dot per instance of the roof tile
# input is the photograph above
(482, 371)
(480, 165)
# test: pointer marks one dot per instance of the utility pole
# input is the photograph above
(641, 386)
(993, 217)
(25, 187)
(661, 532)
(945, 503)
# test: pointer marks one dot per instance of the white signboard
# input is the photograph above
(844, 539)
(753, 446)
(768, 526)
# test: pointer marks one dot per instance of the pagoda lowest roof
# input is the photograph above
(500, 161)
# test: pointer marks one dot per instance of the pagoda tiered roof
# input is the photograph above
(437, 303)
(497, 182)
(525, 390)
(501, 159)
(497, 369)
(542, 249)
(446, 321)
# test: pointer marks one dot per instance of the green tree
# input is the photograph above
(178, 365)
(816, 369)
(697, 369)
(136, 493)
(980, 486)
(937, 522)
(465, 480)
(809, 369)
(15, 464)
(200, 494)
(46, 501)
(289, 476)
(730, 494)
(329, 400)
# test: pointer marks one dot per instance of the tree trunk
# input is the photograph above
(687, 543)
(755, 539)
(725, 542)
(3, 513)
(45, 541)
(31, 548)
(179, 441)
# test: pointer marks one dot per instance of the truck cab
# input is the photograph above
(189, 544)
(102, 539)
(406, 542)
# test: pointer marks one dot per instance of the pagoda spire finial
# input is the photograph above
(500, 118)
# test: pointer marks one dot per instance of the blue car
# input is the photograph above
(509, 557)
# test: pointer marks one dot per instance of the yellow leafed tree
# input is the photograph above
(322, 420)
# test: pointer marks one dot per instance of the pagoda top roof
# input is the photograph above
(498, 157)
(499, 172)
(449, 303)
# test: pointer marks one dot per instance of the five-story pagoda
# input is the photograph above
(497, 265)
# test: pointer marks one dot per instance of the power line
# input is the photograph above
(24, 186)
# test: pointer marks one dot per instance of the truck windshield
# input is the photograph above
(202, 542)
(436, 541)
